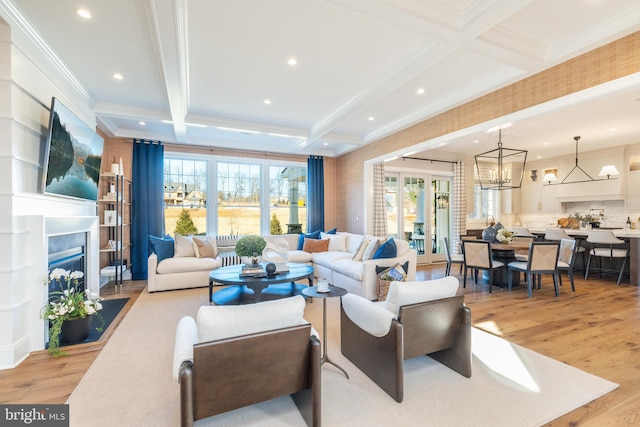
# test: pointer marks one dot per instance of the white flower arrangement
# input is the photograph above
(66, 304)
(505, 235)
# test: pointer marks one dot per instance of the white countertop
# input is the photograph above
(619, 232)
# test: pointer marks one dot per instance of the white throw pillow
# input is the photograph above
(405, 293)
(223, 321)
(205, 247)
(184, 246)
(374, 242)
(337, 242)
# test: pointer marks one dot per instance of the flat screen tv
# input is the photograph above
(73, 154)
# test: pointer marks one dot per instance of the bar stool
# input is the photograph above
(607, 241)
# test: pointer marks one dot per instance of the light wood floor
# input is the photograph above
(596, 329)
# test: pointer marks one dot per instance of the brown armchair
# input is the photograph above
(219, 368)
(419, 318)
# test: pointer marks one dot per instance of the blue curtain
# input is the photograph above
(147, 194)
(315, 194)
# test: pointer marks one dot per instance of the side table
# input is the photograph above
(312, 291)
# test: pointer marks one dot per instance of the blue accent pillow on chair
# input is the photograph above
(163, 247)
(386, 250)
(332, 231)
(314, 235)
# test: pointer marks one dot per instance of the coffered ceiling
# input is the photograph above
(200, 72)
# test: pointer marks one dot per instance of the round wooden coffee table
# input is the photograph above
(249, 290)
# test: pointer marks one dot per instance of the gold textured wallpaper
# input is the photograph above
(612, 61)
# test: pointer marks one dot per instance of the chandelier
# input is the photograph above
(609, 171)
(502, 168)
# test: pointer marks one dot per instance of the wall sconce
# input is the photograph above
(534, 175)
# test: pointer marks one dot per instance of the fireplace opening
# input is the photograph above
(68, 252)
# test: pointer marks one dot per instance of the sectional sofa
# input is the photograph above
(346, 260)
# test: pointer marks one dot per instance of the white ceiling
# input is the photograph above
(195, 67)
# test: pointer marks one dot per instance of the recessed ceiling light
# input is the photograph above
(142, 123)
(613, 129)
(390, 159)
(546, 143)
(292, 61)
(476, 141)
(539, 157)
(267, 101)
(326, 143)
(83, 13)
(420, 91)
(371, 118)
(118, 76)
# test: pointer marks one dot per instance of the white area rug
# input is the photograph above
(131, 384)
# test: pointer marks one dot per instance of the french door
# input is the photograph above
(418, 211)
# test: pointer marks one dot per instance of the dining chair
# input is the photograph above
(477, 256)
(604, 244)
(451, 258)
(557, 234)
(543, 259)
(566, 259)
(522, 247)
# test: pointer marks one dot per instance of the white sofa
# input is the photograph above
(337, 265)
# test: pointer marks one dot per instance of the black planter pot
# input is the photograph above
(75, 330)
(595, 224)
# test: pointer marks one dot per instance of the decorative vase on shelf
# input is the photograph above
(75, 330)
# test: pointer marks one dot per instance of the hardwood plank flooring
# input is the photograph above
(596, 329)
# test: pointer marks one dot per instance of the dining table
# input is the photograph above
(629, 235)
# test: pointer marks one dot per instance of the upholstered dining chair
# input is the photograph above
(477, 257)
(566, 259)
(543, 259)
(451, 258)
(416, 319)
(557, 234)
(230, 357)
(604, 244)
(522, 247)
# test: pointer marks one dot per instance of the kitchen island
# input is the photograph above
(632, 236)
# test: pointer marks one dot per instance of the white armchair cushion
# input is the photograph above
(218, 322)
(370, 316)
(186, 337)
(405, 293)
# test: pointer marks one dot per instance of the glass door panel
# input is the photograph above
(414, 207)
(440, 216)
(391, 200)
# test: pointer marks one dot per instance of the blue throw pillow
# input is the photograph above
(386, 250)
(314, 235)
(332, 231)
(163, 247)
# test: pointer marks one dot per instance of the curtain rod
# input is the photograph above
(431, 160)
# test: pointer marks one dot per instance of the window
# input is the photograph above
(185, 188)
(241, 189)
(287, 199)
(485, 202)
(391, 201)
